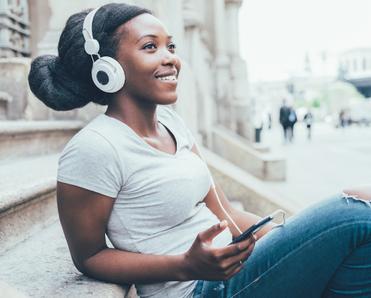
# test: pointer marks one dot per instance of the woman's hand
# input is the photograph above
(202, 261)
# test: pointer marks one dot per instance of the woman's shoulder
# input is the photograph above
(92, 137)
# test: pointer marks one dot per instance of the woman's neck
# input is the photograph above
(142, 118)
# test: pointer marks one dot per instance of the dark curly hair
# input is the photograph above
(64, 82)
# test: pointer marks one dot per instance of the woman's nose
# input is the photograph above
(169, 58)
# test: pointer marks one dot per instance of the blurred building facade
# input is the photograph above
(326, 83)
(213, 82)
(213, 86)
(355, 68)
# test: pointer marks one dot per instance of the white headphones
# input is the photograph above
(107, 74)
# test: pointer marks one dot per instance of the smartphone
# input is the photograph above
(254, 228)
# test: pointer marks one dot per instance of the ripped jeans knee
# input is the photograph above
(355, 197)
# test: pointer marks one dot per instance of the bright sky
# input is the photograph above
(276, 34)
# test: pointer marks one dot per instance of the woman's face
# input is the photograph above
(147, 54)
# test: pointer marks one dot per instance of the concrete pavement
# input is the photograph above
(333, 160)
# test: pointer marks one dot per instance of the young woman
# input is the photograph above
(135, 174)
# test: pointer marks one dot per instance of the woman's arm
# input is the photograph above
(243, 219)
(84, 215)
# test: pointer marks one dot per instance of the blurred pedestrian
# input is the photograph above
(308, 120)
(258, 125)
(342, 118)
(269, 116)
(292, 119)
(284, 119)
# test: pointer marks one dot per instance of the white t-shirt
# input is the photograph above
(158, 206)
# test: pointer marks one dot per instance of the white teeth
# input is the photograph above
(168, 78)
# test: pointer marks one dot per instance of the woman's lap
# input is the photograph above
(314, 254)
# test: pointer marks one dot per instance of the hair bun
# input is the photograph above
(50, 82)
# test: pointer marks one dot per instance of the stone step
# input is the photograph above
(260, 163)
(27, 198)
(41, 266)
(241, 186)
(34, 256)
(31, 138)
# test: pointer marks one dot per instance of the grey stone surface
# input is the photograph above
(42, 267)
(5, 100)
(27, 198)
(266, 166)
(10, 292)
(238, 185)
(27, 138)
(13, 80)
(332, 161)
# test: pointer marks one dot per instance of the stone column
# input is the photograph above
(238, 74)
(59, 13)
(198, 56)
(222, 75)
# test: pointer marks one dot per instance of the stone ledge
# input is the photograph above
(25, 177)
(19, 127)
(42, 267)
(30, 138)
(266, 166)
(12, 199)
(245, 188)
(4, 96)
(27, 201)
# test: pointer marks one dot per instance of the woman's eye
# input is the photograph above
(172, 46)
(149, 46)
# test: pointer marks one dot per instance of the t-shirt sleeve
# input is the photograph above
(90, 161)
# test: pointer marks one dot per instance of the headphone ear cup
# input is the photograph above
(108, 75)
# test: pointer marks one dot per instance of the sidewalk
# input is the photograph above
(333, 160)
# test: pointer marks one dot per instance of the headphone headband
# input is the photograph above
(91, 44)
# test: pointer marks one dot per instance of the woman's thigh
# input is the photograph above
(324, 249)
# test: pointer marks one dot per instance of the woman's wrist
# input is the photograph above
(183, 272)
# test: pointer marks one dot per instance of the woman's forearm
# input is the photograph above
(116, 266)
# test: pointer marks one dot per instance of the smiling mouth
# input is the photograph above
(171, 78)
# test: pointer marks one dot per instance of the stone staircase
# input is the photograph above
(34, 257)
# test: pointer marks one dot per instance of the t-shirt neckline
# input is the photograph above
(137, 137)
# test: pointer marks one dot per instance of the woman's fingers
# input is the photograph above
(241, 257)
(234, 271)
(209, 234)
(231, 257)
(234, 249)
(231, 270)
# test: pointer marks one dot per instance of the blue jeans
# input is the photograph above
(323, 251)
